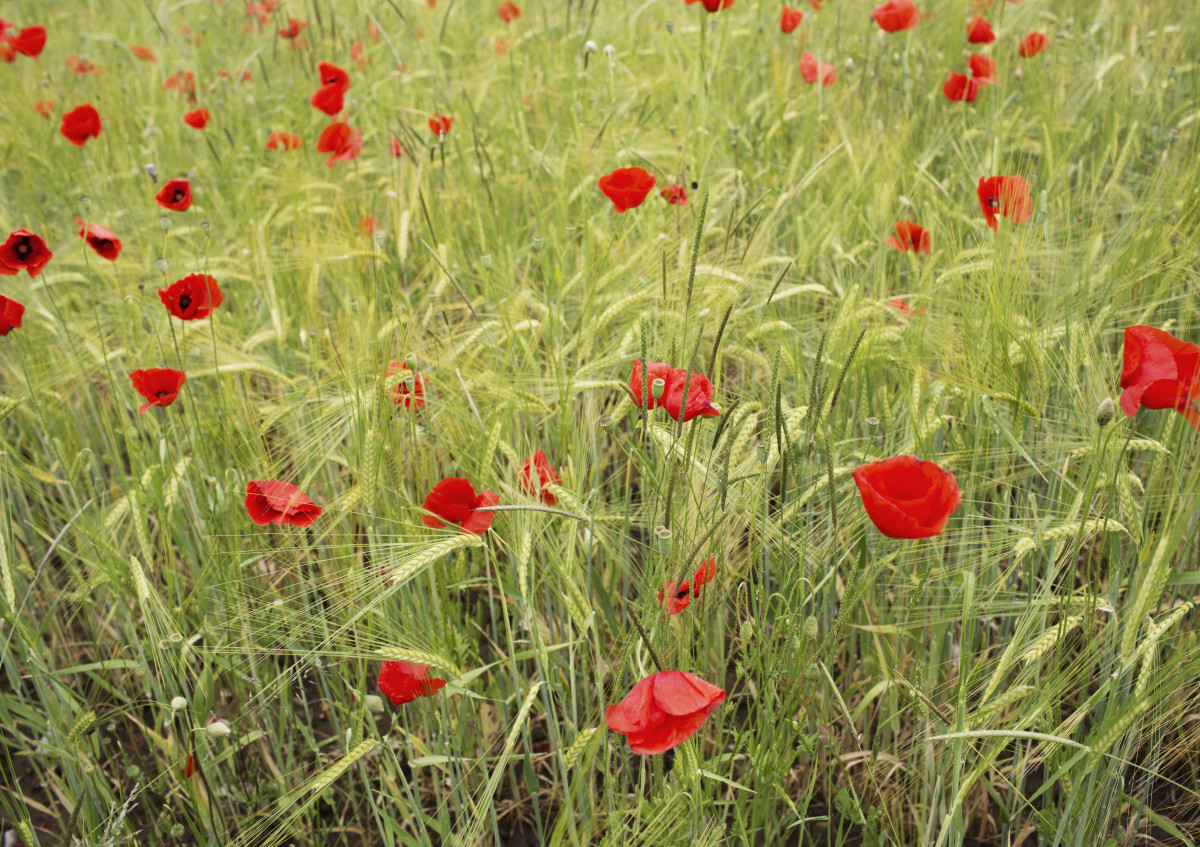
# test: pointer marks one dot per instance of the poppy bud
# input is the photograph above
(810, 628)
(657, 387)
(537, 243)
(152, 172)
(165, 222)
(606, 423)
(178, 704)
(414, 364)
(162, 265)
(762, 451)
(670, 27)
(1105, 412)
(146, 325)
(872, 421)
(664, 539)
(206, 226)
(486, 261)
(86, 202)
(373, 702)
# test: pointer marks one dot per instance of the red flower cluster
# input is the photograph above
(699, 397)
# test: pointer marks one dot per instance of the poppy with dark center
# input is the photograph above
(23, 249)
(176, 195)
(331, 74)
(272, 501)
(402, 395)
(453, 500)
(104, 241)
(43, 107)
(674, 194)
(143, 53)
(713, 5)
(663, 710)
(676, 597)
(906, 497)
(80, 124)
(980, 31)
(293, 29)
(160, 386)
(1004, 195)
(699, 389)
(1160, 371)
(983, 68)
(283, 141)
(790, 18)
(197, 118)
(910, 236)
(403, 682)
(440, 124)
(192, 298)
(508, 11)
(342, 141)
(811, 70)
(896, 15)
(627, 187)
(960, 88)
(10, 315)
(1032, 44)
(704, 574)
(546, 475)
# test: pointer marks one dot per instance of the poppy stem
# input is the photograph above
(646, 641)
(565, 514)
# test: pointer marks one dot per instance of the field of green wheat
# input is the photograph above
(489, 424)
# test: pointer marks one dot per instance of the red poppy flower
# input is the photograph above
(811, 70)
(373, 32)
(80, 124)
(704, 574)
(183, 82)
(104, 241)
(192, 298)
(356, 55)
(396, 148)
(143, 53)
(626, 187)
(980, 31)
(816, 4)
(454, 500)
(440, 124)
(713, 5)
(10, 315)
(197, 118)
(81, 66)
(983, 68)
(900, 306)
(910, 236)
(674, 194)
(546, 475)
(906, 497)
(1006, 195)
(677, 597)
(500, 46)
(293, 29)
(700, 390)
(331, 74)
(403, 682)
(175, 195)
(508, 11)
(401, 395)
(329, 99)
(283, 141)
(1160, 371)
(663, 710)
(790, 18)
(1032, 44)
(23, 249)
(160, 386)
(271, 501)
(366, 227)
(960, 88)
(340, 139)
(43, 107)
(896, 15)
(27, 42)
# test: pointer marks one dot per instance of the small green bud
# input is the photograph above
(657, 387)
(1105, 412)
(664, 539)
(812, 672)
(762, 451)
(373, 702)
(747, 630)
(811, 629)
(178, 704)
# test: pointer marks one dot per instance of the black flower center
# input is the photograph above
(23, 247)
(681, 594)
(993, 202)
(102, 243)
(161, 394)
(185, 302)
(178, 195)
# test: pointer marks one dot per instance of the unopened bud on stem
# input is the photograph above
(1105, 412)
